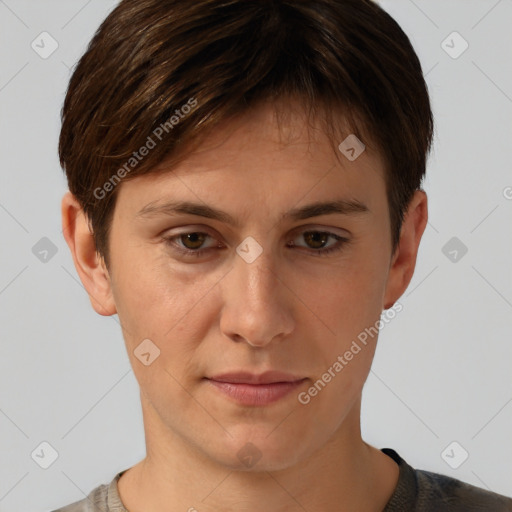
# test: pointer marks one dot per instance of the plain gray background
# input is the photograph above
(442, 372)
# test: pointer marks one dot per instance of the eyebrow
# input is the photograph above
(172, 208)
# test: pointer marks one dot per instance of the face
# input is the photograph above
(254, 290)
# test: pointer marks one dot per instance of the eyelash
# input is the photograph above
(342, 241)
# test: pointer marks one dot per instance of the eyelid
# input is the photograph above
(323, 229)
(294, 232)
(203, 230)
(340, 242)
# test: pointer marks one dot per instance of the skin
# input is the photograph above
(288, 310)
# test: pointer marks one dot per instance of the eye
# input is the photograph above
(318, 240)
(192, 243)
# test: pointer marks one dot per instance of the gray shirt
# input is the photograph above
(416, 490)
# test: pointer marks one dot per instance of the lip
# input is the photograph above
(249, 389)
(269, 377)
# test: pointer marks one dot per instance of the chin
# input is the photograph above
(262, 450)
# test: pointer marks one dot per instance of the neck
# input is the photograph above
(345, 474)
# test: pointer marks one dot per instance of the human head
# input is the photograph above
(287, 309)
(163, 74)
(192, 313)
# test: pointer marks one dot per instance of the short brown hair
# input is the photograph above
(151, 58)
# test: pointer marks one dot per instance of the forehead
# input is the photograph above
(278, 126)
(265, 156)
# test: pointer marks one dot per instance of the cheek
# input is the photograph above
(348, 308)
(148, 291)
(164, 302)
(346, 300)
(337, 388)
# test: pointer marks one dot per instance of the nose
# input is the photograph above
(257, 303)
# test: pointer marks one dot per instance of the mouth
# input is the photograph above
(250, 389)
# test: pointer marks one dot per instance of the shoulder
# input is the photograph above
(447, 493)
(96, 501)
(424, 491)
(104, 498)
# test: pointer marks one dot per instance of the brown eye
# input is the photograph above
(318, 243)
(193, 240)
(192, 243)
(317, 238)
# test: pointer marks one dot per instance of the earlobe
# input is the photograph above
(88, 263)
(404, 260)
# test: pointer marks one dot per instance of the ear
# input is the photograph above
(403, 261)
(88, 263)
